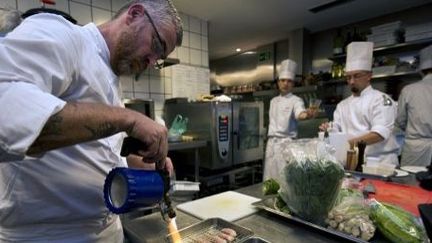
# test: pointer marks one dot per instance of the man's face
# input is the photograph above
(141, 44)
(358, 81)
(285, 85)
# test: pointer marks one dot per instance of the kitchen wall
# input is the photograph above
(152, 84)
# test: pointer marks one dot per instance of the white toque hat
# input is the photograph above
(287, 69)
(426, 58)
(359, 56)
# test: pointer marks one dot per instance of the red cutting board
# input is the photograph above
(407, 197)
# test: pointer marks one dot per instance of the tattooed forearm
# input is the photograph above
(53, 126)
(103, 130)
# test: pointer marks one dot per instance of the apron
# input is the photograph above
(274, 157)
(417, 152)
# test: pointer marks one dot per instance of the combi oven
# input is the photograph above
(234, 131)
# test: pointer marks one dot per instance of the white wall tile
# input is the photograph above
(8, 4)
(126, 83)
(185, 20)
(168, 71)
(82, 1)
(168, 85)
(28, 4)
(194, 25)
(183, 55)
(100, 16)
(186, 41)
(204, 28)
(195, 57)
(204, 43)
(156, 84)
(204, 59)
(128, 95)
(142, 84)
(106, 4)
(80, 12)
(62, 5)
(117, 4)
(154, 72)
(195, 40)
(142, 95)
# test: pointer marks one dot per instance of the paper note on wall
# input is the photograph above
(190, 82)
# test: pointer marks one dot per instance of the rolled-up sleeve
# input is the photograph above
(36, 68)
(23, 119)
(298, 107)
(383, 112)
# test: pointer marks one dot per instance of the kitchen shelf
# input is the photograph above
(400, 47)
(414, 74)
(296, 90)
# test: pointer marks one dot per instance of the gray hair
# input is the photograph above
(163, 12)
(9, 19)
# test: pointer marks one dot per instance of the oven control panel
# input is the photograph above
(223, 134)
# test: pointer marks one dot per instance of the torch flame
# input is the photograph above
(172, 229)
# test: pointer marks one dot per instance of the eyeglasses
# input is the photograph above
(158, 46)
(356, 76)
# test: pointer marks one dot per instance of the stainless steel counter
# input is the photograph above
(151, 228)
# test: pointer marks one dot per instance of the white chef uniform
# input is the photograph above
(371, 111)
(415, 102)
(59, 195)
(282, 124)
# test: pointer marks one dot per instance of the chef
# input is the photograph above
(367, 114)
(413, 117)
(285, 110)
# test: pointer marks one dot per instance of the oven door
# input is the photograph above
(248, 131)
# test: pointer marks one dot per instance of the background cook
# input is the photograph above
(368, 114)
(285, 110)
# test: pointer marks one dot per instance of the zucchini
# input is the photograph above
(396, 224)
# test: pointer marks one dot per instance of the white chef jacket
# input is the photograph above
(284, 109)
(57, 197)
(414, 117)
(372, 111)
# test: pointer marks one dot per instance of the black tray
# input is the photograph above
(268, 205)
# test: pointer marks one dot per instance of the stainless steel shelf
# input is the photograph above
(296, 90)
(414, 74)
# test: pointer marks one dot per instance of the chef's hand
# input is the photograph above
(154, 138)
(311, 113)
(324, 126)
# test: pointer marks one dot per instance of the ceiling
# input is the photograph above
(248, 24)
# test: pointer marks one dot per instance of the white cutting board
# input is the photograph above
(227, 205)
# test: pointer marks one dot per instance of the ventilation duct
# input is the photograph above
(329, 5)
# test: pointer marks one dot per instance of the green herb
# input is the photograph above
(312, 188)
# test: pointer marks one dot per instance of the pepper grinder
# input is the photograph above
(351, 158)
(361, 145)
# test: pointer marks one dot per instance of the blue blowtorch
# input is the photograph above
(127, 189)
